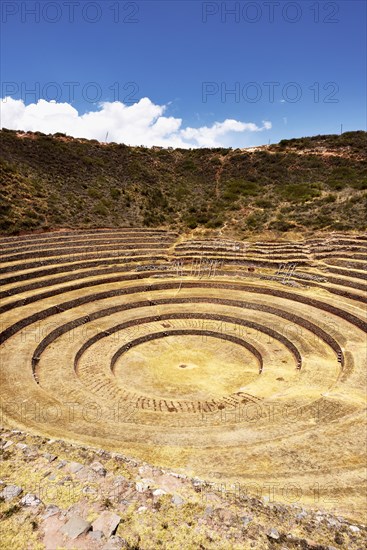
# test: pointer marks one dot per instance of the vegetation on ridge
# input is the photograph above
(49, 182)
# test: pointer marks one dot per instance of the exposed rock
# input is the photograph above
(311, 545)
(115, 543)
(273, 534)
(179, 476)
(119, 480)
(86, 474)
(31, 454)
(107, 522)
(225, 516)
(143, 485)
(246, 519)
(51, 510)
(334, 523)
(65, 480)
(74, 467)
(75, 527)
(30, 500)
(177, 500)
(10, 492)
(144, 470)
(103, 453)
(98, 468)
(159, 492)
(96, 535)
(89, 490)
(49, 457)
(208, 511)
(7, 445)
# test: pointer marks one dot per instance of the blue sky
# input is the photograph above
(298, 66)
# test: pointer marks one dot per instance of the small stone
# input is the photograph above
(84, 473)
(49, 457)
(159, 492)
(139, 486)
(89, 490)
(21, 446)
(246, 519)
(74, 467)
(98, 468)
(142, 509)
(208, 511)
(10, 492)
(75, 527)
(115, 543)
(65, 480)
(143, 485)
(354, 528)
(273, 534)
(311, 544)
(31, 454)
(225, 515)
(51, 510)
(107, 522)
(119, 480)
(301, 515)
(177, 500)
(333, 523)
(96, 535)
(30, 500)
(7, 445)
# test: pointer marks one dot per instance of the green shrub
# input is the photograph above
(115, 193)
(100, 210)
(94, 193)
(282, 225)
(336, 185)
(299, 192)
(264, 203)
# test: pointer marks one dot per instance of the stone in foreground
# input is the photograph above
(107, 522)
(75, 527)
(10, 492)
(30, 500)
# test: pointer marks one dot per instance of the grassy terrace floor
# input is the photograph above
(238, 362)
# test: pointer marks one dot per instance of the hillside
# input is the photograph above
(51, 182)
(58, 495)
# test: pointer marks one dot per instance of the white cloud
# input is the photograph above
(143, 123)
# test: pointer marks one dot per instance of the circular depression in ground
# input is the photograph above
(186, 367)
